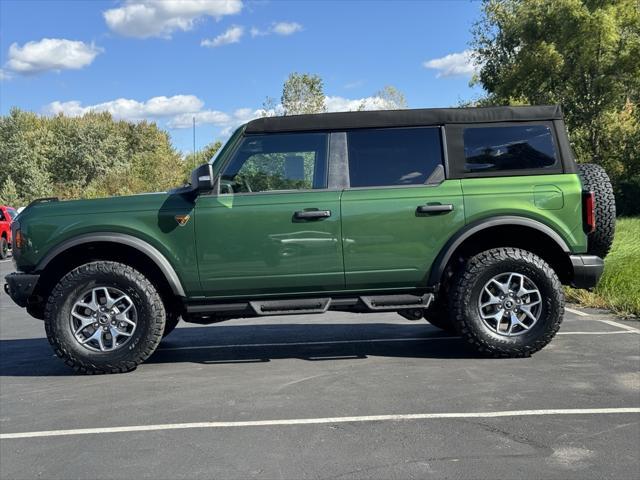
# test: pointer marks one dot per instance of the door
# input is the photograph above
(399, 210)
(274, 228)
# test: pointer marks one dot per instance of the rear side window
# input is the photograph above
(525, 147)
(394, 156)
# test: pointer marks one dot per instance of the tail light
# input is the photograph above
(589, 211)
(18, 240)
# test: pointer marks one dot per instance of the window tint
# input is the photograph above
(285, 161)
(488, 149)
(398, 156)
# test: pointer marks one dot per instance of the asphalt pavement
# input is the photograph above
(329, 396)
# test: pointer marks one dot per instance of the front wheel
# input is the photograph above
(104, 317)
(507, 302)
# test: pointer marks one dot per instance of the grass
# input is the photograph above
(619, 287)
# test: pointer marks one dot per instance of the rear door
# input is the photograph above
(399, 209)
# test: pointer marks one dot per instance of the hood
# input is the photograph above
(123, 204)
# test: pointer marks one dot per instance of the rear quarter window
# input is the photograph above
(509, 148)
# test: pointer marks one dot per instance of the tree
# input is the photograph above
(303, 93)
(83, 157)
(392, 98)
(582, 54)
(9, 193)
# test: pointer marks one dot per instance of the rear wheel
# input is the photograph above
(507, 302)
(595, 179)
(104, 317)
(4, 248)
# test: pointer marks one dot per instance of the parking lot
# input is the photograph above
(332, 396)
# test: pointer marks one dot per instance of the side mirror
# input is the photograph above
(202, 180)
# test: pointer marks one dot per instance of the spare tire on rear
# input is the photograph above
(596, 180)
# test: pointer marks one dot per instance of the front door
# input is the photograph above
(274, 227)
(399, 210)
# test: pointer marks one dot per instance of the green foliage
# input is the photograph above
(303, 93)
(393, 98)
(618, 289)
(582, 54)
(84, 157)
(8, 193)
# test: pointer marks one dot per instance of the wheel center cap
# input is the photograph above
(508, 304)
(104, 318)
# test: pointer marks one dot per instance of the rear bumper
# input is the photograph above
(20, 286)
(587, 270)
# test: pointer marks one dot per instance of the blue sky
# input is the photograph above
(171, 60)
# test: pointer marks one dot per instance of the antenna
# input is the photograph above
(194, 141)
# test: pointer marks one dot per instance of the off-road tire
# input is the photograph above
(145, 339)
(596, 180)
(4, 248)
(468, 284)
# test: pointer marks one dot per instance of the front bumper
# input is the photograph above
(587, 270)
(20, 286)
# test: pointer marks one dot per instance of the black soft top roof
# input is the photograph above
(402, 118)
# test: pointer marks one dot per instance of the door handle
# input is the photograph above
(447, 207)
(311, 214)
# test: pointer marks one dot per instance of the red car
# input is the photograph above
(7, 214)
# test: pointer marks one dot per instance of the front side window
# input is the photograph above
(282, 161)
(526, 147)
(393, 156)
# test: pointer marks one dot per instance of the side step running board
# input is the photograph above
(371, 303)
(397, 302)
(289, 307)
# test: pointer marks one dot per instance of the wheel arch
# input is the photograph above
(143, 247)
(105, 246)
(538, 238)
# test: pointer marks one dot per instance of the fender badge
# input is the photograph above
(182, 219)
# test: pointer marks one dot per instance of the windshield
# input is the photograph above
(12, 213)
(226, 145)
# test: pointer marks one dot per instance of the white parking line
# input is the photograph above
(318, 421)
(338, 342)
(628, 328)
(577, 312)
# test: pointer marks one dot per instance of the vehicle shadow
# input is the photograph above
(222, 344)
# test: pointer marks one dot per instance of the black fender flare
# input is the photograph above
(143, 247)
(467, 231)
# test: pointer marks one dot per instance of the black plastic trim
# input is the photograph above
(158, 258)
(20, 286)
(587, 270)
(468, 230)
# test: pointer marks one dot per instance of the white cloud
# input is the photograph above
(213, 117)
(152, 18)
(454, 64)
(279, 28)
(51, 54)
(133, 110)
(286, 28)
(232, 35)
(4, 75)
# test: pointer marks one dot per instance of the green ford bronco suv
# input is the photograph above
(472, 218)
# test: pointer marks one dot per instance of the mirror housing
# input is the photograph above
(202, 180)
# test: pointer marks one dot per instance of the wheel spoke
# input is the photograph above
(510, 304)
(112, 311)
